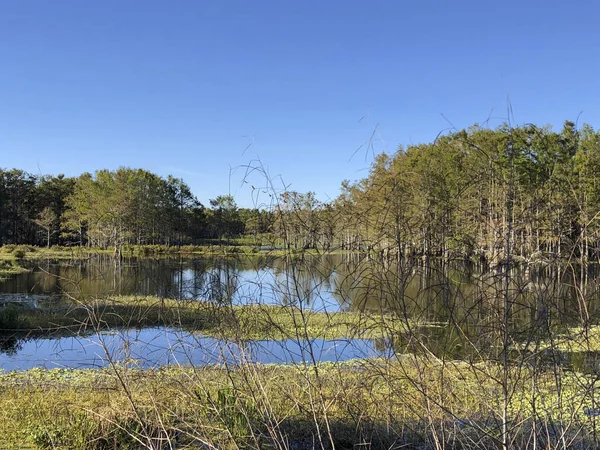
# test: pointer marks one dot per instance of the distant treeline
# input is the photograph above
(112, 208)
(475, 193)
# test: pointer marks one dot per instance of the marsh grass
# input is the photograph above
(375, 401)
(250, 322)
(429, 392)
(424, 395)
(231, 249)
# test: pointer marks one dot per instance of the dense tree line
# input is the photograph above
(475, 191)
(31, 207)
(469, 193)
(112, 208)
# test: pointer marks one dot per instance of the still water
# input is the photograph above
(152, 347)
(468, 299)
(238, 282)
(426, 292)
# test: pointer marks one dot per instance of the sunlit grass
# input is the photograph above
(242, 322)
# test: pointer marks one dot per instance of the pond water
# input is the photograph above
(428, 292)
(468, 298)
(152, 347)
(239, 282)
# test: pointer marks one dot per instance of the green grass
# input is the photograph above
(29, 252)
(242, 322)
(575, 339)
(404, 401)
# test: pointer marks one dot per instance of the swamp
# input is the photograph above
(261, 349)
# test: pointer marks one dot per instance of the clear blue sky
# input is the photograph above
(184, 87)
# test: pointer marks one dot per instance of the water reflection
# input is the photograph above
(455, 293)
(238, 282)
(463, 304)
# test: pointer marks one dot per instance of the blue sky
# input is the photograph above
(200, 89)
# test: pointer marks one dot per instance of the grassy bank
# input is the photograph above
(240, 322)
(224, 249)
(412, 402)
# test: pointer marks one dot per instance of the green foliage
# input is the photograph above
(373, 401)
(460, 195)
(210, 319)
(82, 431)
(11, 267)
(18, 250)
(114, 208)
(456, 196)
